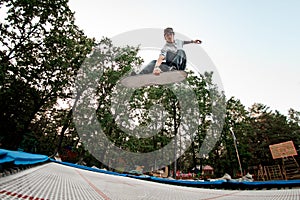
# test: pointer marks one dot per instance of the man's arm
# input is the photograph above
(159, 60)
(157, 70)
(192, 41)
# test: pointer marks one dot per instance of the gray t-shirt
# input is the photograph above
(173, 47)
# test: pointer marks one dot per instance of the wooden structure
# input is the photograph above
(261, 174)
(290, 168)
(274, 172)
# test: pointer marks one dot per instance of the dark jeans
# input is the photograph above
(176, 61)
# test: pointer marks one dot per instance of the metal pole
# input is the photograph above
(175, 135)
(236, 150)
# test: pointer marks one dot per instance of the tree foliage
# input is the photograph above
(41, 50)
(255, 129)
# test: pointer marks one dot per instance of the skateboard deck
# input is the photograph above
(142, 80)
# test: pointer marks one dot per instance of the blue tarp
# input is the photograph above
(21, 158)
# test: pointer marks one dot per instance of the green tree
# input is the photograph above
(97, 82)
(210, 104)
(41, 50)
(264, 133)
(236, 127)
(294, 132)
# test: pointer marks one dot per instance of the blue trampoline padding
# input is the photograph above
(21, 158)
(188, 183)
(2, 153)
(272, 183)
(87, 168)
(4, 158)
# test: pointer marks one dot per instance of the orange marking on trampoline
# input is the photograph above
(94, 187)
(13, 194)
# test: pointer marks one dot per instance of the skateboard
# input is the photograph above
(143, 80)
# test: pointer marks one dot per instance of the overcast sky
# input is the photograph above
(254, 44)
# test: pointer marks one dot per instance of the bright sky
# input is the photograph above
(255, 44)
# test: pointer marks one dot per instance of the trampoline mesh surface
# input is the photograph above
(56, 181)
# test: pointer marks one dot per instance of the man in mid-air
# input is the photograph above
(172, 53)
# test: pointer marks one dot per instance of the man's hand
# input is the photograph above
(156, 71)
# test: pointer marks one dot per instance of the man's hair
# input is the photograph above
(168, 30)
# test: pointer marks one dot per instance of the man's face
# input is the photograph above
(169, 37)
